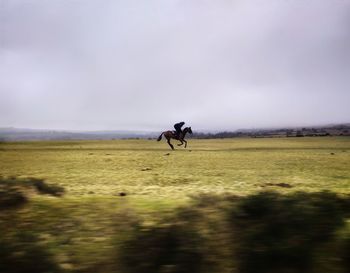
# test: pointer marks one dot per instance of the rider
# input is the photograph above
(177, 127)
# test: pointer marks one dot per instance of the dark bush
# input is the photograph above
(11, 197)
(13, 188)
(345, 254)
(11, 194)
(172, 246)
(278, 233)
(162, 249)
(44, 188)
(21, 253)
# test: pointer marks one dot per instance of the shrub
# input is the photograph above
(45, 188)
(21, 253)
(172, 246)
(11, 194)
(277, 233)
(14, 188)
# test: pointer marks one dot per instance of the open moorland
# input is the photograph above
(223, 205)
(149, 169)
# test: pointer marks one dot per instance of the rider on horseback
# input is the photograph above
(178, 135)
(177, 127)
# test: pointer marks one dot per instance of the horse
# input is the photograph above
(171, 134)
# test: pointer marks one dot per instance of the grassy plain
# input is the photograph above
(85, 230)
(149, 169)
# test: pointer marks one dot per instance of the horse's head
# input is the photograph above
(188, 130)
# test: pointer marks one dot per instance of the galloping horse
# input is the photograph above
(171, 134)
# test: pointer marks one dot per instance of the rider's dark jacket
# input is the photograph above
(178, 126)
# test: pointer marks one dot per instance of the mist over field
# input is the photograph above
(144, 65)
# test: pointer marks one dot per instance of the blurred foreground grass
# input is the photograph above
(268, 231)
(231, 222)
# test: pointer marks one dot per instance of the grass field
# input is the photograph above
(146, 168)
(91, 226)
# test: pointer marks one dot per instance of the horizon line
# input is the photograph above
(153, 131)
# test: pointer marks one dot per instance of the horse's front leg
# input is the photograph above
(171, 145)
(185, 143)
(180, 143)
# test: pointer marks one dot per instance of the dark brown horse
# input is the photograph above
(171, 134)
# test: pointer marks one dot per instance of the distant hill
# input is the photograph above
(18, 134)
(314, 131)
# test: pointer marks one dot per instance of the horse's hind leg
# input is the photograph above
(171, 145)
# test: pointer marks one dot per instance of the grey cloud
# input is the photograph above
(222, 64)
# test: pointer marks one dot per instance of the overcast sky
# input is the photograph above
(146, 64)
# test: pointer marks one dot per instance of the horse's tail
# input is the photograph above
(160, 137)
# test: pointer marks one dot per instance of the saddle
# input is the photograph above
(176, 134)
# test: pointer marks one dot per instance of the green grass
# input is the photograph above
(147, 169)
(90, 226)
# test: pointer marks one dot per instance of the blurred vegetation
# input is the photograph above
(278, 233)
(170, 248)
(264, 232)
(14, 191)
(22, 253)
